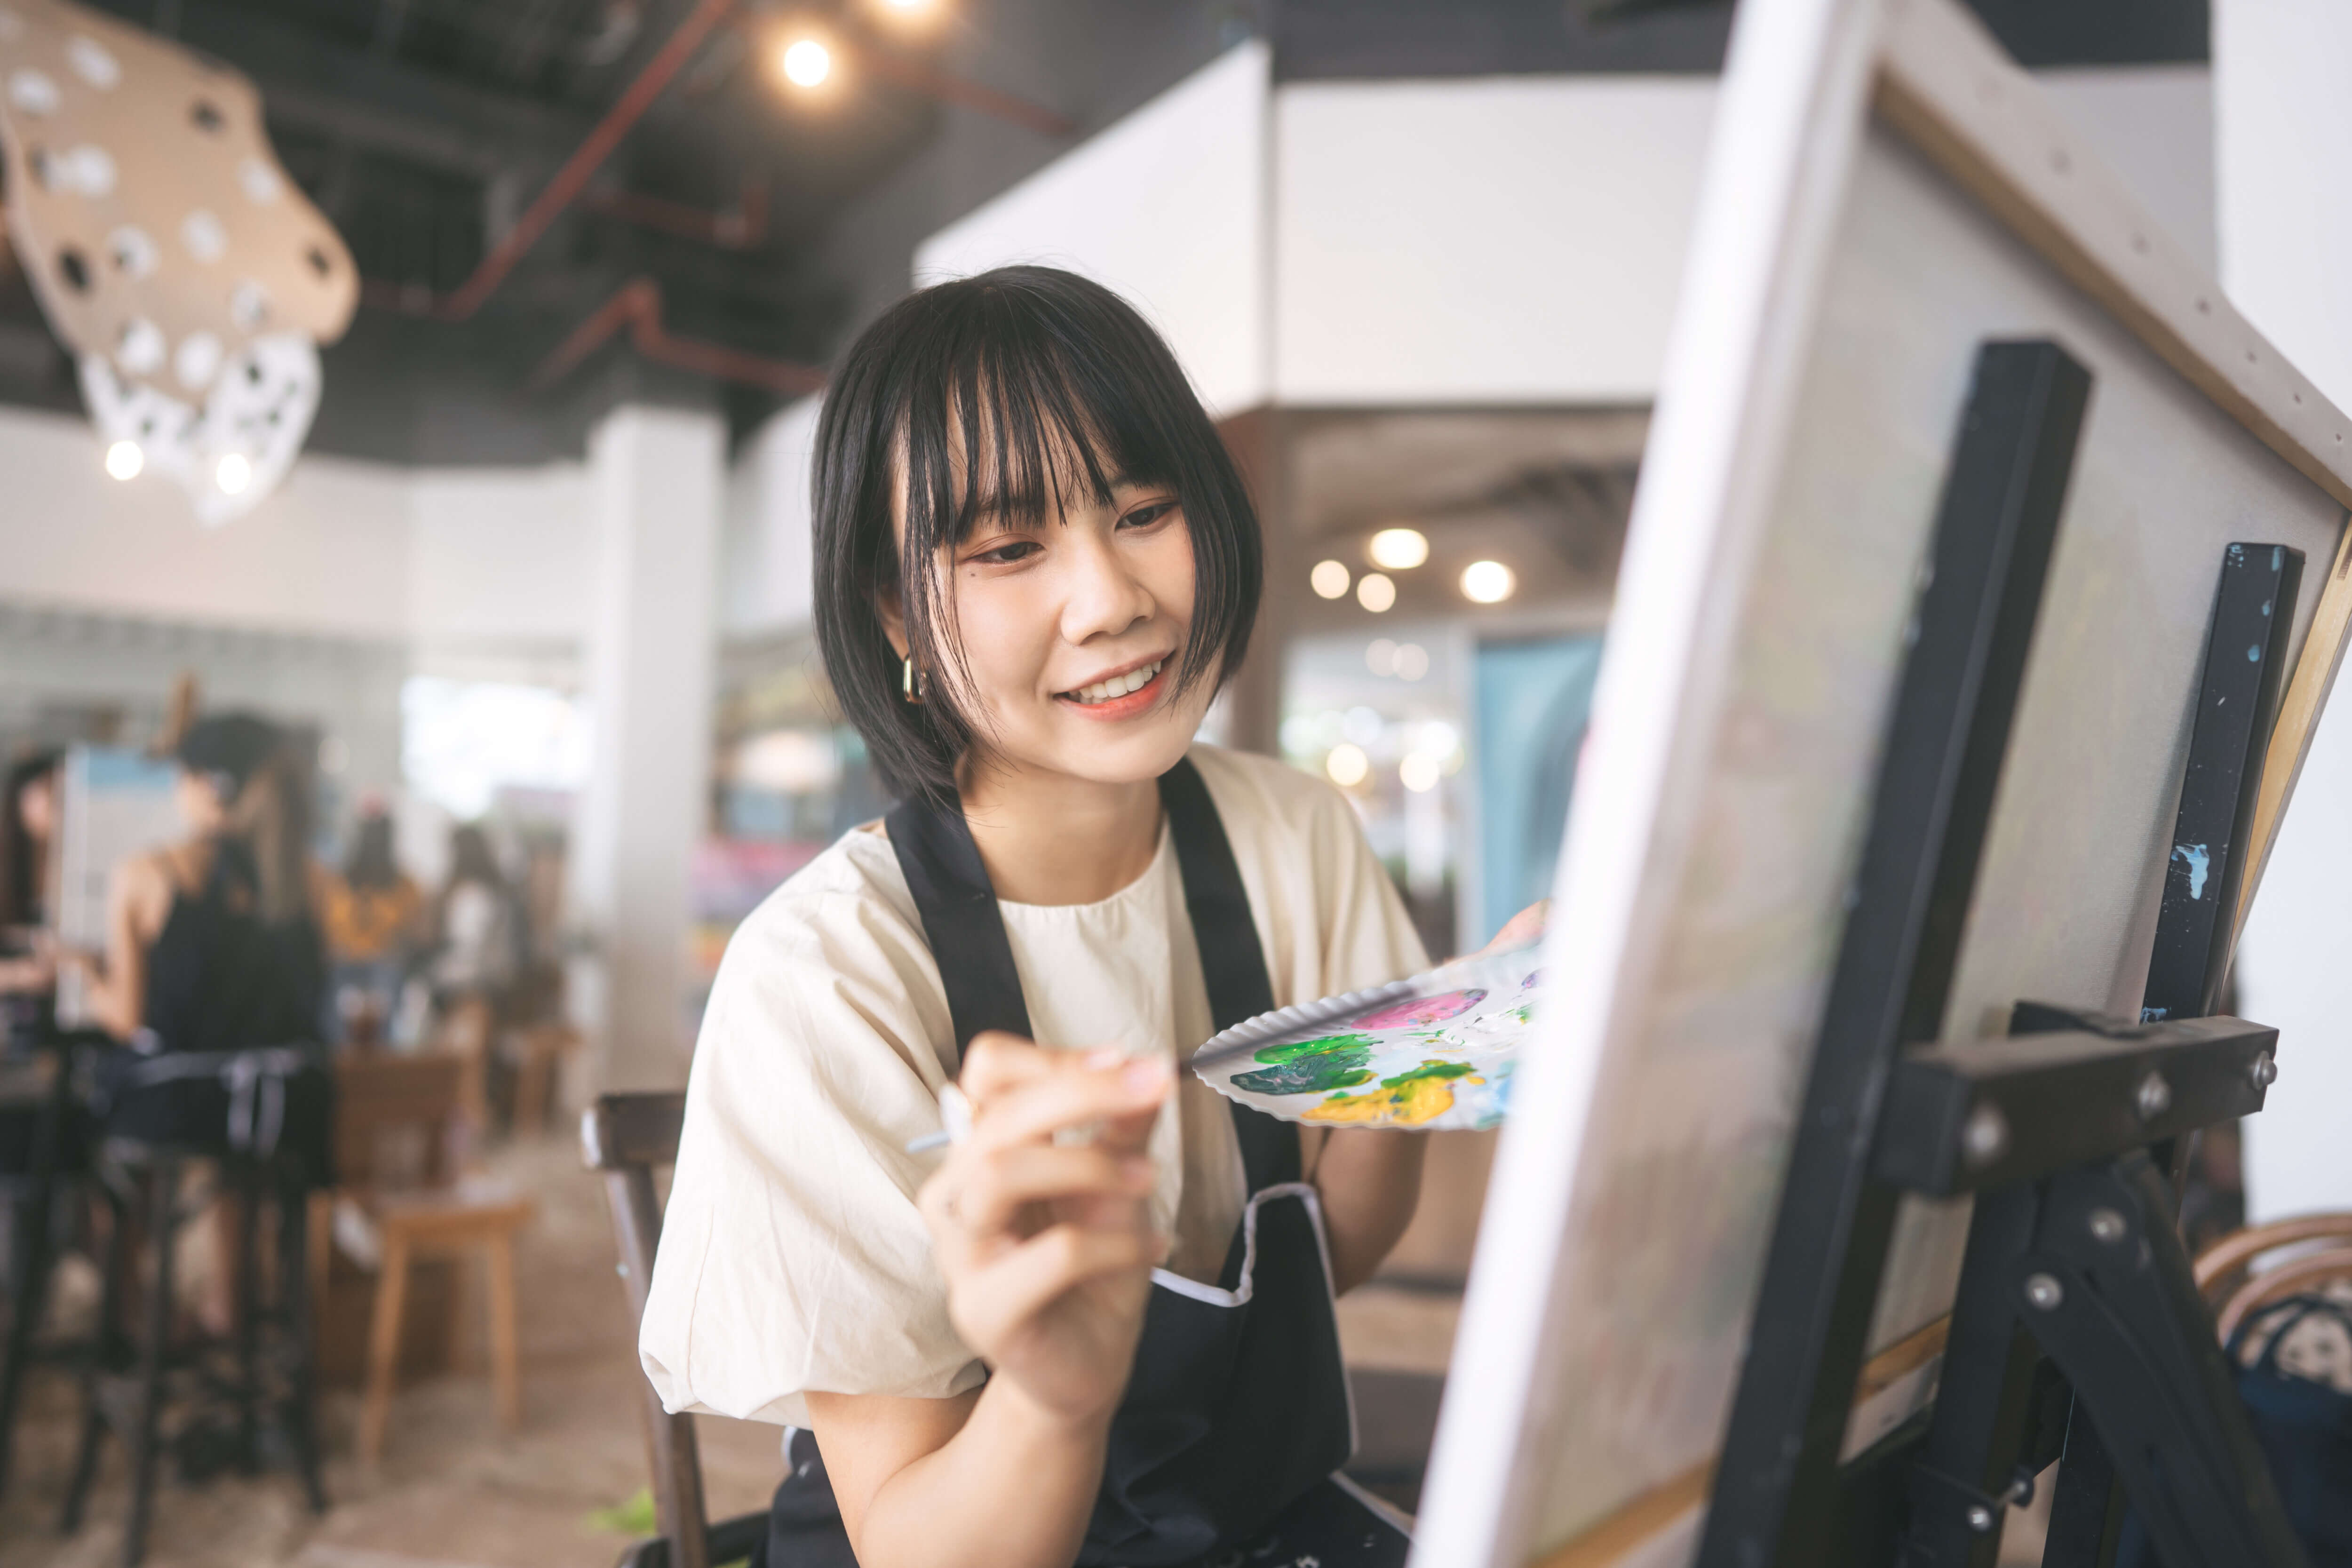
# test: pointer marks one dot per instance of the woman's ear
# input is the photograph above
(893, 616)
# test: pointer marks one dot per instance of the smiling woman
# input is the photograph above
(995, 439)
(1091, 1323)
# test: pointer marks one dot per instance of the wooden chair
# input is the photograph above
(626, 1136)
(539, 1054)
(392, 1127)
(2226, 1272)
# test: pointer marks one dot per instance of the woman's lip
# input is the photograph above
(1136, 702)
(1128, 668)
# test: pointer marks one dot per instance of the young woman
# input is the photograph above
(1098, 1327)
(370, 914)
(28, 818)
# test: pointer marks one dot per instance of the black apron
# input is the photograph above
(1237, 1413)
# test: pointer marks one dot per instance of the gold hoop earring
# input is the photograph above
(913, 686)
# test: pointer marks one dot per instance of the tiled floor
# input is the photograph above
(455, 1493)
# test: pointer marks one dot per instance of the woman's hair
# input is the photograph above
(20, 862)
(1002, 391)
(266, 809)
(372, 866)
(471, 859)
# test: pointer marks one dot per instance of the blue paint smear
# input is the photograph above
(2154, 1014)
(2198, 862)
(2237, 553)
(2266, 605)
(2254, 654)
(2278, 557)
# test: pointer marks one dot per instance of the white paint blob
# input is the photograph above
(33, 92)
(204, 235)
(248, 305)
(260, 181)
(197, 361)
(92, 62)
(87, 170)
(140, 349)
(131, 250)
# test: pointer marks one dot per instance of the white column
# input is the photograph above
(657, 478)
(2282, 122)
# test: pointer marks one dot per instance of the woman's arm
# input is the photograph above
(116, 993)
(1048, 1254)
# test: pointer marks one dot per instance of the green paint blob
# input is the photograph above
(1428, 1070)
(1325, 1043)
(1309, 1075)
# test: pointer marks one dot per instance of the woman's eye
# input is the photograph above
(1145, 516)
(1007, 553)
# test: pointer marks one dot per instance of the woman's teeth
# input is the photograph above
(1117, 685)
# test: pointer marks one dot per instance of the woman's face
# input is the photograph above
(36, 806)
(1069, 627)
(199, 802)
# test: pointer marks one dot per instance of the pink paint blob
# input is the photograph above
(1420, 1011)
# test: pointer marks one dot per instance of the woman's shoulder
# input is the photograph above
(852, 889)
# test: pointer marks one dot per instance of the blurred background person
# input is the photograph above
(372, 912)
(475, 926)
(28, 837)
(211, 942)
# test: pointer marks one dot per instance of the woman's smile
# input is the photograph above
(1121, 694)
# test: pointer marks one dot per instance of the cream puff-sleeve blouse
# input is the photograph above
(792, 1256)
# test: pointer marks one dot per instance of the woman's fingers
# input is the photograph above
(986, 1193)
(1521, 928)
(1023, 1280)
(1072, 1096)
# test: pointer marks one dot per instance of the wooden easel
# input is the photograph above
(2078, 1334)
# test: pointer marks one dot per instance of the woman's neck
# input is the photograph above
(1053, 838)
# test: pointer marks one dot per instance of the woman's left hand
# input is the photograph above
(1521, 929)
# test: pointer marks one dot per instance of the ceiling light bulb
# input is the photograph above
(807, 62)
(906, 7)
(1375, 593)
(1330, 579)
(1419, 771)
(233, 473)
(1398, 549)
(1347, 765)
(1488, 583)
(124, 460)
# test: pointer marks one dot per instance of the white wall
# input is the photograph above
(1512, 240)
(499, 556)
(1167, 208)
(2154, 125)
(328, 552)
(2283, 139)
(765, 570)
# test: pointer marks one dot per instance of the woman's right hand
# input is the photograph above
(1048, 1247)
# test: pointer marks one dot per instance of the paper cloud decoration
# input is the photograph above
(188, 274)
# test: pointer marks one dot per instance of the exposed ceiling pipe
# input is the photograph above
(743, 226)
(905, 70)
(637, 308)
(568, 183)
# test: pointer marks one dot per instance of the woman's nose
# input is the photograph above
(1105, 598)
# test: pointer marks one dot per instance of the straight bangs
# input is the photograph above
(1009, 395)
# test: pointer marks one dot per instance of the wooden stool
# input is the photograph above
(388, 1106)
(539, 1051)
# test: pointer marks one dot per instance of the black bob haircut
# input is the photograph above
(1002, 391)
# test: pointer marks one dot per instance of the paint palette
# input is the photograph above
(1432, 1052)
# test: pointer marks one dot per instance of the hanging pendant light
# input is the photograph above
(189, 276)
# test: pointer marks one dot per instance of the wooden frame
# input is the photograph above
(1807, 81)
(625, 1137)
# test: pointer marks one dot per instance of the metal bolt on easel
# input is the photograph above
(2044, 1293)
(2107, 1226)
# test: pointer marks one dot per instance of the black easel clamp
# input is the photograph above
(1979, 1114)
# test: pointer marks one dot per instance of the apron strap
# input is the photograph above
(966, 932)
(1233, 961)
(961, 919)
